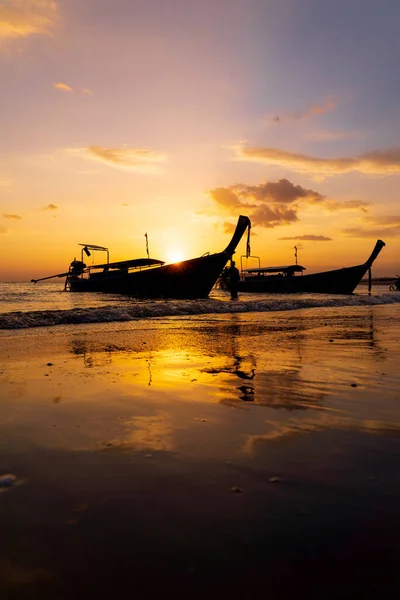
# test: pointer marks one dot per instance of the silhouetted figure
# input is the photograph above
(248, 393)
(396, 286)
(234, 278)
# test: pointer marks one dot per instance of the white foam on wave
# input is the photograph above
(130, 311)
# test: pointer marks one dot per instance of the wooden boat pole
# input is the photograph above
(50, 277)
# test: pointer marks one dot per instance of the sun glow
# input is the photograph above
(174, 256)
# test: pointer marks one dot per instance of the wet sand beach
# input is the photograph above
(210, 455)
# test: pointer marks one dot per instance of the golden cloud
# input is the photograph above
(334, 205)
(50, 207)
(330, 135)
(272, 216)
(62, 86)
(282, 191)
(8, 216)
(383, 226)
(308, 238)
(26, 17)
(316, 109)
(384, 232)
(227, 197)
(312, 110)
(377, 162)
(392, 220)
(229, 227)
(275, 203)
(135, 159)
(67, 88)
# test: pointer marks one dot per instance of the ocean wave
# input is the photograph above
(175, 308)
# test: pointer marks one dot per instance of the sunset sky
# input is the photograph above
(172, 117)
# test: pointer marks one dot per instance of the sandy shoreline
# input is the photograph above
(202, 454)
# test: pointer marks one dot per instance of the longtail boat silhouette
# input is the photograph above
(283, 279)
(148, 277)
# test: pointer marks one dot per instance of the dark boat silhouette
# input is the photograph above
(151, 278)
(282, 280)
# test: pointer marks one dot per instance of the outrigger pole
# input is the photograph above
(51, 277)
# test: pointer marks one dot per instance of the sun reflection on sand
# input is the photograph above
(173, 385)
(150, 433)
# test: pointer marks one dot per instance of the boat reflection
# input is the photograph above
(81, 347)
(272, 370)
(281, 362)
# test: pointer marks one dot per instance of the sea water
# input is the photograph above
(24, 305)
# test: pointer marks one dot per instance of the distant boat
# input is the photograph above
(151, 278)
(283, 280)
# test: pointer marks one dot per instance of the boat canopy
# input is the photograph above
(126, 264)
(94, 247)
(286, 269)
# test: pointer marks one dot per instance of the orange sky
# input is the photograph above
(121, 117)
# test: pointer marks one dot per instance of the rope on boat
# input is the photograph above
(248, 249)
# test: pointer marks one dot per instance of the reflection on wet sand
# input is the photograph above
(279, 364)
(150, 388)
(136, 468)
(154, 433)
(81, 347)
(279, 387)
(300, 380)
(293, 428)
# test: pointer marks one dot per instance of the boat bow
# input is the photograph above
(242, 224)
(375, 252)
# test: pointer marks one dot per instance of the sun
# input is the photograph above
(174, 256)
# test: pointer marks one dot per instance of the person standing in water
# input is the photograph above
(234, 278)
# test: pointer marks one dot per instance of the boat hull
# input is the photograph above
(338, 281)
(188, 279)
